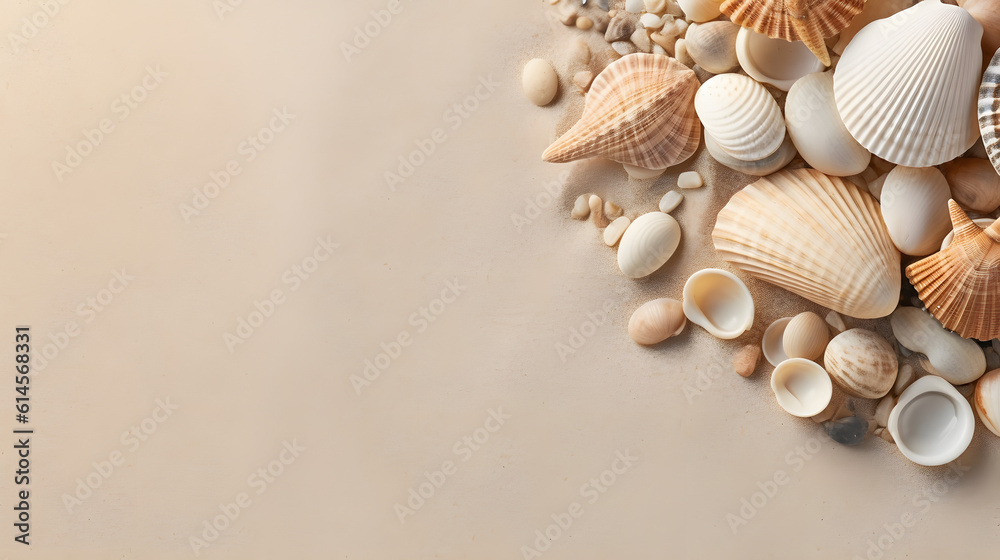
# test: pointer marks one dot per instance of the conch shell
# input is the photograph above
(820, 237)
(639, 111)
(961, 285)
(809, 21)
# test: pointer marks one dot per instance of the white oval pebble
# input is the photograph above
(540, 82)
(634, 6)
(651, 21)
(614, 231)
(689, 180)
(623, 47)
(670, 201)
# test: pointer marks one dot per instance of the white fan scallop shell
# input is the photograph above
(741, 116)
(906, 86)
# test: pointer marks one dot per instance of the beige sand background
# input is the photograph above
(344, 457)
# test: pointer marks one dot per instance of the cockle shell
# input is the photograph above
(774, 61)
(809, 21)
(656, 321)
(817, 130)
(801, 387)
(719, 302)
(974, 183)
(647, 244)
(989, 110)
(820, 237)
(987, 400)
(906, 85)
(741, 116)
(712, 45)
(915, 209)
(806, 336)
(862, 363)
(932, 423)
(961, 285)
(639, 111)
(957, 359)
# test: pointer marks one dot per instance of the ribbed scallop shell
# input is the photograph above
(647, 244)
(817, 236)
(961, 285)
(741, 116)
(906, 85)
(862, 363)
(639, 111)
(989, 110)
(809, 21)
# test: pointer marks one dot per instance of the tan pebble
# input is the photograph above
(612, 13)
(597, 211)
(613, 233)
(612, 210)
(665, 41)
(836, 322)
(640, 39)
(670, 201)
(746, 359)
(584, 23)
(581, 208)
(883, 409)
(583, 79)
(540, 82)
(690, 180)
(580, 52)
(568, 16)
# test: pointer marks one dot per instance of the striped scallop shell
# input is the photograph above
(639, 111)
(820, 237)
(741, 116)
(906, 85)
(989, 110)
(809, 21)
(862, 363)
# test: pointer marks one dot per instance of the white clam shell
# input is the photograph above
(956, 359)
(915, 209)
(647, 244)
(741, 116)
(774, 61)
(801, 387)
(907, 85)
(862, 363)
(932, 423)
(656, 321)
(719, 302)
(773, 341)
(987, 400)
(805, 336)
(712, 45)
(817, 130)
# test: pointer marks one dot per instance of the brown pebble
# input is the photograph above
(584, 23)
(746, 359)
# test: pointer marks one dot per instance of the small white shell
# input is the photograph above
(712, 45)
(614, 231)
(656, 321)
(539, 81)
(806, 336)
(647, 244)
(773, 341)
(701, 10)
(774, 61)
(957, 359)
(987, 400)
(817, 130)
(932, 423)
(740, 116)
(719, 302)
(915, 209)
(801, 387)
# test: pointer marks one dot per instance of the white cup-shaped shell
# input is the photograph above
(915, 209)
(862, 363)
(656, 321)
(712, 45)
(741, 116)
(719, 302)
(806, 336)
(647, 244)
(932, 423)
(772, 342)
(774, 61)
(802, 387)
(817, 130)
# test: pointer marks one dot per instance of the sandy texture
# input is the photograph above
(486, 407)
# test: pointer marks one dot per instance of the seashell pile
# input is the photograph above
(858, 162)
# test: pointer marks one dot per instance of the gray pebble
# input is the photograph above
(848, 431)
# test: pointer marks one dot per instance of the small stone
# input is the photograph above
(583, 79)
(568, 17)
(601, 20)
(612, 210)
(746, 359)
(651, 21)
(690, 180)
(674, 9)
(847, 431)
(670, 201)
(904, 377)
(681, 27)
(623, 47)
(655, 6)
(584, 23)
(665, 41)
(992, 359)
(634, 6)
(540, 82)
(581, 208)
(580, 52)
(615, 229)
(996, 345)
(641, 40)
(681, 53)
(657, 49)
(619, 28)
(612, 13)
(597, 211)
